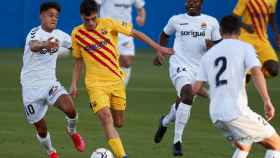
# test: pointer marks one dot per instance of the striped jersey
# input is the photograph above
(256, 13)
(98, 48)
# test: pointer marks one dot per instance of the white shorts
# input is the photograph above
(37, 100)
(126, 45)
(180, 76)
(246, 129)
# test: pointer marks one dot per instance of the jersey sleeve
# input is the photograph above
(99, 2)
(251, 59)
(240, 7)
(67, 42)
(76, 49)
(273, 7)
(139, 4)
(202, 73)
(169, 28)
(33, 35)
(215, 34)
(122, 27)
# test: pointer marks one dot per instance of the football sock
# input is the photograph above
(170, 117)
(272, 154)
(182, 116)
(128, 74)
(71, 124)
(117, 147)
(46, 143)
(240, 154)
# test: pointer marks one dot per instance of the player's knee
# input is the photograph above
(126, 61)
(71, 113)
(271, 67)
(105, 117)
(186, 95)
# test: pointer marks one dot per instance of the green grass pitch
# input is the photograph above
(150, 95)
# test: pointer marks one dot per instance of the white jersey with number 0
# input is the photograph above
(39, 67)
(190, 34)
(224, 68)
(119, 9)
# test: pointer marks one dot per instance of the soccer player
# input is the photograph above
(122, 10)
(256, 16)
(191, 30)
(40, 88)
(95, 45)
(224, 68)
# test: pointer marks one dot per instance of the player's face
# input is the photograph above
(49, 19)
(193, 7)
(90, 21)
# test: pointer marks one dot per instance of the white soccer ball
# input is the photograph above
(101, 153)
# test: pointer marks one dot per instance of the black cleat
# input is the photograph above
(160, 132)
(177, 149)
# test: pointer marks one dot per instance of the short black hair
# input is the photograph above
(48, 5)
(88, 7)
(230, 24)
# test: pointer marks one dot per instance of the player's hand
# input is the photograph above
(269, 110)
(163, 51)
(51, 44)
(73, 91)
(158, 60)
(140, 20)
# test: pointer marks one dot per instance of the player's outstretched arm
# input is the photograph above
(159, 49)
(37, 46)
(78, 65)
(163, 41)
(141, 16)
(260, 84)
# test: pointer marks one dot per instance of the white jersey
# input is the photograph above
(190, 34)
(39, 67)
(224, 68)
(119, 9)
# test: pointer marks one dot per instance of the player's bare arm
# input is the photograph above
(141, 16)
(37, 46)
(78, 66)
(163, 41)
(273, 22)
(159, 49)
(260, 84)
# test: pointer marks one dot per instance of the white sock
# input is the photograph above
(46, 143)
(170, 117)
(182, 116)
(71, 124)
(128, 74)
(240, 154)
(272, 154)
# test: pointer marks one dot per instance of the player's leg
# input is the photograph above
(118, 118)
(127, 52)
(272, 145)
(241, 150)
(182, 116)
(59, 97)
(270, 68)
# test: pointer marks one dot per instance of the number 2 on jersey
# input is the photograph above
(223, 60)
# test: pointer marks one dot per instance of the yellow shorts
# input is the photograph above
(112, 96)
(264, 49)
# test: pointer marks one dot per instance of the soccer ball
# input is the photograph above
(101, 153)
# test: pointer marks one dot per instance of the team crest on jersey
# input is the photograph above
(103, 31)
(204, 26)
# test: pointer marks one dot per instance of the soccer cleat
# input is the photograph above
(177, 149)
(160, 132)
(78, 141)
(53, 155)
(125, 156)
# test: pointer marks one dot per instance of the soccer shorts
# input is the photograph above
(112, 96)
(126, 45)
(246, 129)
(36, 100)
(180, 76)
(263, 48)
